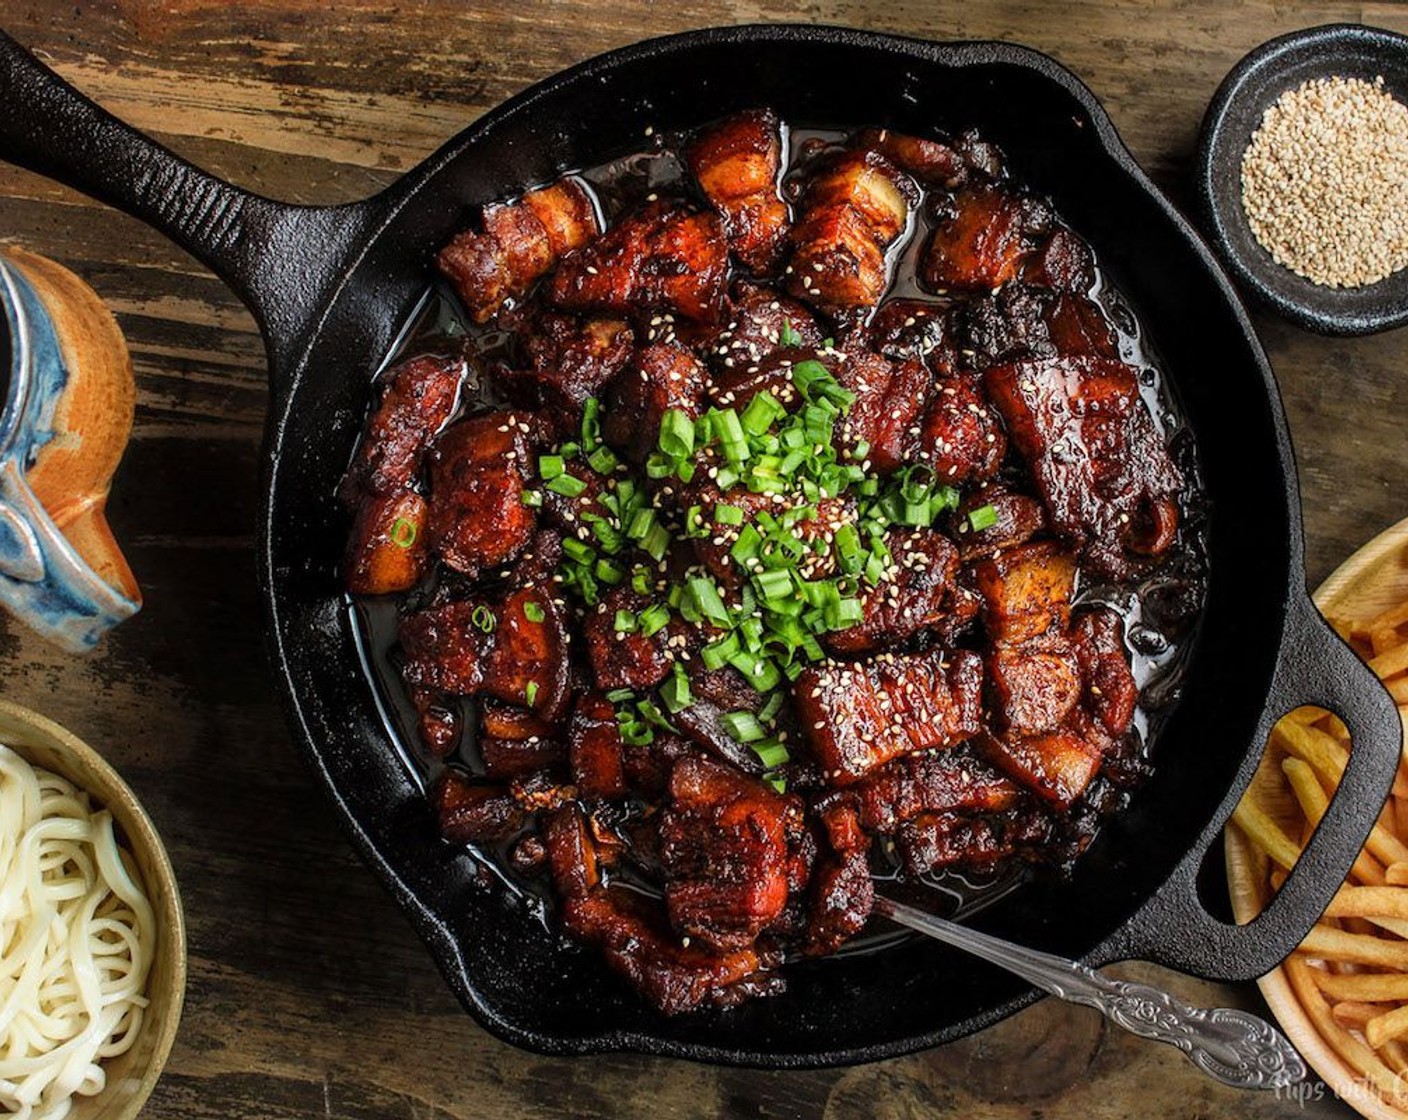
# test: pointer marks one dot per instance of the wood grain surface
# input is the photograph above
(309, 996)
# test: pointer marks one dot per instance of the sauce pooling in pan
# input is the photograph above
(761, 515)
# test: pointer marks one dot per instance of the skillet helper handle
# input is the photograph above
(1316, 667)
(279, 259)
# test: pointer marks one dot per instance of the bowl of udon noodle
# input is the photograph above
(92, 938)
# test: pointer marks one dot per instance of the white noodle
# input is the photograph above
(76, 937)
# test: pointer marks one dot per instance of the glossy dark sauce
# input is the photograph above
(1159, 612)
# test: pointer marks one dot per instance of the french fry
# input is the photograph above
(1395, 1054)
(1386, 1027)
(1383, 638)
(1369, 902)
(1358, 1055)
(1354, 1015)
(1265, 833)
(1365, 987)
(1313, 800)
(1391, 662)
(1396, 926)
(1355, 948)
(1396, 874)
(1395, 615)
(1324, 752)
(1398, 689)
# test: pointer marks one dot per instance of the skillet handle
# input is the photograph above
(281, 260)
(1315, 667)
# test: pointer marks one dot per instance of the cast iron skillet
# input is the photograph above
(330, 288)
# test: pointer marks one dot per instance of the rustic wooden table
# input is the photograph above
(309, 996)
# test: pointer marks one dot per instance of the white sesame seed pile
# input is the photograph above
(1325, 182)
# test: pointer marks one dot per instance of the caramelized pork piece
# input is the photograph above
(736, 387)
(1063, 264)
(915, 331)
(890, 397)
(661, 258)
(660, 378)
(520, 242)
(923, 594)
(1056, 765)
(388, 550)
(672, 977)
(954, 779)
(737, 164)
(1034, 686)
(723, 844)
(991, 329)
(1004, 519)
(595, 748)
(842, 896)
(930, 161)
(981, 245)
(418, 398)
(566, 360)
(498, 720)
(571, 852)
(621, 659)
(859, 716)
(466, 647)
(1077, 326)
(760, 323)
(932, 841)
(853, 210)
(1110, 690)
(959, 436)
(1026, 590)
(477, 516)
(505, 759)
(474, 812)
(1100, 465)
(648, 766)
(717, 692)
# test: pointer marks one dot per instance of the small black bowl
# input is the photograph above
(1340, 49)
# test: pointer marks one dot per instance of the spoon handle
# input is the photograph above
(1229, 1045)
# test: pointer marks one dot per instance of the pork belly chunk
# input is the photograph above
(1008, 519)
(983, 243)
(387, 550)
(1026, 590)
(959, 435)
(1056, 765)
(737, 164)
(1104, 474)
(628, 660)
(595, 748)
(724, 847)
(520, 242)
(671, 976)
(660, 378)
(565, 359)
(477, 516)
(856, 206)
(469, 811)
(954, 779)
(418, 397)
(759, 323)
(858, 716)
(923, 594)
(929, 160)
(889, 399)
(841, 898)
(661, 259)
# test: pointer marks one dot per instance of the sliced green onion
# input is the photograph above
(743, 726)
(577, 550)
(567, 486)
(771, 753)
(403, 533)
(728, 515)
(718, 654)
(483, 618)
(675, 691)
(706, 598)
(530, 692)
(984, 517)
(534, 612)
(603, 460)
(532, 498)
(624, 623)
(656, 542)
(551, 466)
(591, 425)
(654, 618)
(762, 410)
(676, 434)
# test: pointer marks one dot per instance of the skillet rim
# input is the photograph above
(289, 366)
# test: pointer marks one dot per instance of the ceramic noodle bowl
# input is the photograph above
(67, 415)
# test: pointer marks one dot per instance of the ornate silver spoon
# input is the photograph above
(1231, 1046)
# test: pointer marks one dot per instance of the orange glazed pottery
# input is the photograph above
(65, 419)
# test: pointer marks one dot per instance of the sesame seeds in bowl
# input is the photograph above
(1302, 177)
